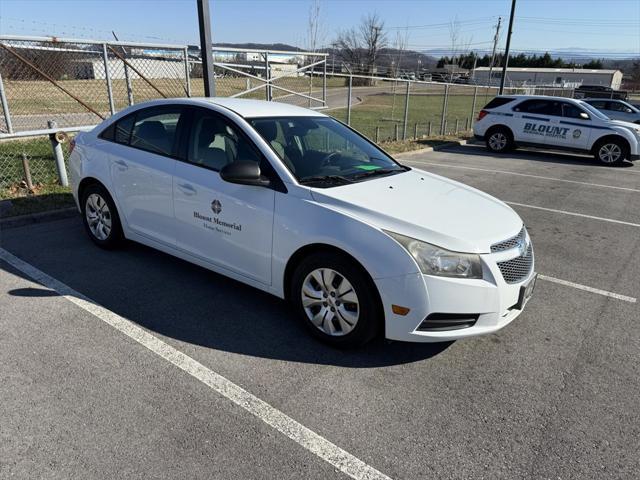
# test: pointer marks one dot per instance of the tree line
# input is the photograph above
(468, 61)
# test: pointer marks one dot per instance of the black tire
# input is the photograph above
(611, 152)
(109, 215)
(370, 315)
(499, 140)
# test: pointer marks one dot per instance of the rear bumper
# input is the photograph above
(490, 304)
(633, 158)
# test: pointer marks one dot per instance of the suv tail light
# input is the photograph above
(482, 114)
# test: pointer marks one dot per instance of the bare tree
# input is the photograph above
(360, 47)
(316, 35)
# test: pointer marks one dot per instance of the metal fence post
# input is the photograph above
(473, 106)
(187, 76)
(27, 172)
(107, 77)
(349, 100)
(457, 125)
(377, 133)
(415, 131)
(444, 109)
(324, 82)
(429, 129)
(58, 155)
(406, 112)
(396, 136)
(267, 76)
(5, 107)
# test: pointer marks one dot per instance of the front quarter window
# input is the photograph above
(321, 151)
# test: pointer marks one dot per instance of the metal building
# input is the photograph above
(554, 77)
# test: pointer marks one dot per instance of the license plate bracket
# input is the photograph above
(526, 291)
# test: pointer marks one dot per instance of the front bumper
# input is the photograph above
(491, 300)
(633, 158)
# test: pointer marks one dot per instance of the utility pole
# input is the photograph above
(506, 50)
(495, 44)
(206, 51)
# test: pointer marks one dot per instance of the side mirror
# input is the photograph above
(244, 172)
(584, 116)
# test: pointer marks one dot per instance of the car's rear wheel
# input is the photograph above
(611, 152)
(336, 299)
(100, 217)
(499, 140)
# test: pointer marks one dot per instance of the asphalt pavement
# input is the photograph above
(553, 395)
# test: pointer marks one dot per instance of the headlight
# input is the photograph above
(437, 261)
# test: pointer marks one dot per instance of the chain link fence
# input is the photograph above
(77, 83)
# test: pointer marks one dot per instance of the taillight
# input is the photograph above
(482, 114)
(72, 145)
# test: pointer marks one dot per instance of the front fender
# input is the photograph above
(300, 222)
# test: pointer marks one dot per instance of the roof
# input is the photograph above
(259, 108)
(551, 70)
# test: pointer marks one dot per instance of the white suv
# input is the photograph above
(557, 123)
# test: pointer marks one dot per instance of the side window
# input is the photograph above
(154, 129)
(214, 142)
(619, 107)
(119, 131)
(571, 111)
(599, 105)
(123, 130)
(537, 107)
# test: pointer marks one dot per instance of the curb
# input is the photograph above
(432, 149)
(40, 217)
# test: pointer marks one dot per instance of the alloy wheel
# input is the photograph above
(610, 153)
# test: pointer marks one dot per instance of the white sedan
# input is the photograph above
(297, 204)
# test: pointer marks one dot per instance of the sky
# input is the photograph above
(605, 28)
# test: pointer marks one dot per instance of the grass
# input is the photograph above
(420, 143)
(32, 97)
(46, 198)
(383, 112)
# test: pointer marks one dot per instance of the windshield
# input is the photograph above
(594, 111)
(322, 151)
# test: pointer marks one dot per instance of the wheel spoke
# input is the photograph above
(348, 316)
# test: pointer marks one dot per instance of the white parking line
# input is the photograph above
(316, 444)
(599, 185)
(564, 212)
(586, 288)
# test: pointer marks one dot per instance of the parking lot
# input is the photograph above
(223, 382)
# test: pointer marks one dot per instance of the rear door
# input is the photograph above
(531, 120)
(142, 171)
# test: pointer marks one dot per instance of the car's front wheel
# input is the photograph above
(499, 140)
(611, 152)
(100, 217)
(336, 299)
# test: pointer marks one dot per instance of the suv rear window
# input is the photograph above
(498, 102)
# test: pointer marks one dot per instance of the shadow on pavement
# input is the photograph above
(182, 301)
(543, 156)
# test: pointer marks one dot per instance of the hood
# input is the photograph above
(427, 207)
(628, 125)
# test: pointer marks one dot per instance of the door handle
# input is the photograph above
(122, 165)
(187, 188)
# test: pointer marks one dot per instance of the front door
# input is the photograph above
(226, 224)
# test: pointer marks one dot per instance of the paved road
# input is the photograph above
(554, 395)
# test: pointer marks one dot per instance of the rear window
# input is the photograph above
(498, 102)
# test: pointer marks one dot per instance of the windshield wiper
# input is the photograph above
(325, 178)
(378, 171)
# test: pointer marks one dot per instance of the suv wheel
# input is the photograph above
(100, 217)
(336, 300)
(499, 140)
(611, 152)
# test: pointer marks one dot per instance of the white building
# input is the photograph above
(557, 77)
(150, 67)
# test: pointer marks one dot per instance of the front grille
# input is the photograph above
(509, 243)
(517, 269)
